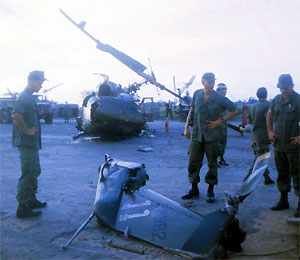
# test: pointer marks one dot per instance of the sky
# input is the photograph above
(246, 43)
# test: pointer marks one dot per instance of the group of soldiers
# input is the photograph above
(210, 110)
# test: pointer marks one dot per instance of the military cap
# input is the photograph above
(221, 86)
(209, 77)
(36, 75)
(285, 81)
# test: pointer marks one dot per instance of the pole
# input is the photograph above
(79, 230)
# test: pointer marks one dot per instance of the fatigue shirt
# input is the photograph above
(209, 110)
(257, 117)
(287, 121)
(224, 124)
(27, 107)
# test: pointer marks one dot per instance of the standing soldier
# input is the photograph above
(260, 140)
(67, 112)
(27, 137)
(285, 112)
(207, 107)
(222, 89)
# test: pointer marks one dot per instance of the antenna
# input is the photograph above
(174, 85)
(152, 75)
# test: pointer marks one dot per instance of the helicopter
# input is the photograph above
(98, 115)
(185, 103)
(123, 205)
(112, 110)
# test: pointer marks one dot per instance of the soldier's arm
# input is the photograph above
(295, 140)
(19, 121)
(270, 121)
(187, 133)
(218, 122)
(230, 115)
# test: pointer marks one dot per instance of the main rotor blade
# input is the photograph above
(122, 57)
(46, 90)
(190, 82)
(186, 85)
(251, 181)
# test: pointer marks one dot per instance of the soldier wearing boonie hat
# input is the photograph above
(285, 112)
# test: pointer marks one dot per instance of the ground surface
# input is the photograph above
(68, 183)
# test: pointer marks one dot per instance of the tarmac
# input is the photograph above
(68, 183)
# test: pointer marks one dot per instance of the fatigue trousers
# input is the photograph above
(31, 169)
(257, 152)
(223, 142)
(287, 165)
(196, 153)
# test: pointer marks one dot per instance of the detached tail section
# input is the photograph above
(121, 204)
(147, 215)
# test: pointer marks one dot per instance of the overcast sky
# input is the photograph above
(247, 44)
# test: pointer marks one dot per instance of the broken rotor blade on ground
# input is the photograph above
(253, 179)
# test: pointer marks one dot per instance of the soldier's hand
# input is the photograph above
(295, 140)
(187, 133)
(31, 131)
(272, 136)
(213, 124)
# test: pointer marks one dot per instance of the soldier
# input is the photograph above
(222, 89)
(168, 107)
(207, 107)
(27, 137)
(67, 112)
(260, 140)
(285, 112)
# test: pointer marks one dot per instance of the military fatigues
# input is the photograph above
(223, 139)
(287, 156)
(206, 141)
(28, 147)
(260, 139)
(67, 113)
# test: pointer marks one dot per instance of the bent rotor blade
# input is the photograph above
(131, 63)
(190, 82)
(256, 175)
(122, 57)
(46, 90)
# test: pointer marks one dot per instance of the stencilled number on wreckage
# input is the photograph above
(159, 229)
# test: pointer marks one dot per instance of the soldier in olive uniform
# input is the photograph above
(207, 107)
(285, 112)
(67, 112)
(222, 89)
(27, 137)
(260, 140)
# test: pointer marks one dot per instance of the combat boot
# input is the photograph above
(282, 203)
(193, 192)
(297, 212)
(24, 211)
(36, 204)
(210, 194)
(222, 161)
(268, 180)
